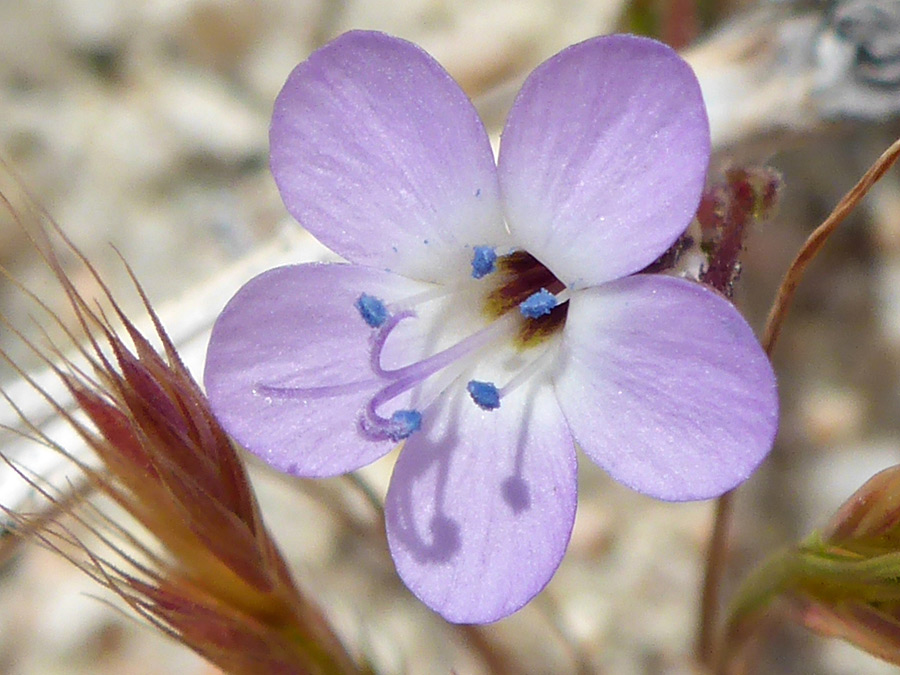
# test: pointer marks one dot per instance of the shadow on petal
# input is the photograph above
(432, 454)
(481, 504)
(516, 494)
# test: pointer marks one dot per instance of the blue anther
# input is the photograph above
(485, 394)
(483, 261)
(403, 423)
(538, 304)
(371, 309)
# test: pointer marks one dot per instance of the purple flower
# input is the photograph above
(491, 316)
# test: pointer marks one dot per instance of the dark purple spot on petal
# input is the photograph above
(516, 494)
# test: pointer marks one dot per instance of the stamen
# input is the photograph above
(402, 422)
(371, 309)
(536, 331)
(427, 367)
(302, 393)
(483, 261)
(485, 394)
(403, 379)
(380, 336)
(435, 293)
(538, 304)
(520, 275)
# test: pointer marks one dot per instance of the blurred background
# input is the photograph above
(141, 126)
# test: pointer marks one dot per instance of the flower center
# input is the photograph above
(524, 304)
(524, 282)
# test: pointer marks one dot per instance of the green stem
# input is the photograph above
(757, 591)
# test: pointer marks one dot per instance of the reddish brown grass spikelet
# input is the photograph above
(221, 587)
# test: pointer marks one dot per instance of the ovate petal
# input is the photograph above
(287, 368)
(604, 157)
(382, 157)
(481, 504)
(665, 386)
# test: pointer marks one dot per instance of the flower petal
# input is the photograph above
(481, 504)
(604, 157)
(665, 386)
(382, 157)
(297, 327)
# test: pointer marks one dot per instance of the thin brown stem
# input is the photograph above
(715, 561)
(712, 580)
(816, 241)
